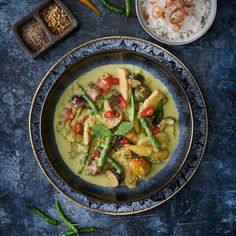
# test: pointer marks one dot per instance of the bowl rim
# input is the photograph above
(30, 120)
(188, 40)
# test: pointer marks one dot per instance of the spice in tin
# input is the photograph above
(55, 18)
(33, 35)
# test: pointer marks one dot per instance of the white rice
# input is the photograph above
(192, 24)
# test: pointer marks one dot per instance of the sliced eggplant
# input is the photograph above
(113, 178)
(141, 93)
(164, 123)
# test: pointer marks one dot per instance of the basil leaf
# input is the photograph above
(124, 128)
(101, 130)
(159, 113)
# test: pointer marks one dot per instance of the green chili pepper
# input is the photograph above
(89, 100)
(115, 164)
(64, 218)
(87, 230)
(128, 7)
(149, 133)
(102, 157)
(69, 233)
(112, 7)
(43, 215)
(82, 230)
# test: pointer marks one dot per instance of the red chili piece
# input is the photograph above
(111, 114)
(122, 102)
(124, 141)
(68, 115)
(148, 112)
(95, 154)
(156, 130)
(85, 118)
(108, 114)
(78, 128)
(106, 83)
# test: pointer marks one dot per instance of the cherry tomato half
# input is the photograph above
(141, 167)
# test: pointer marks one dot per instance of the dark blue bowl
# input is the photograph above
(165, 67)
(122, 193)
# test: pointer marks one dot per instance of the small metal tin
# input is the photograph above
(53, 38)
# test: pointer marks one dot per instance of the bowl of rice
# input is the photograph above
(176, 22)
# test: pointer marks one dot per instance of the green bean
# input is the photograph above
(64, 218)
(131, 111)
(87, 230)
(112, 7)
(83, 162)
(89, 100)
(43, 215)
(149, 133)
(115, 164)
(128, 7)
(102, 157)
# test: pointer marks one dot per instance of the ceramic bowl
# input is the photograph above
(165, 40)
(189, 101)
(121, 193)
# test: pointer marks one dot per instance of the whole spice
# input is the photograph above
(33, 35)
(55, 18)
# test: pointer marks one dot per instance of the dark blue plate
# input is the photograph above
(120, 50)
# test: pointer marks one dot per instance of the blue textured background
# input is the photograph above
(207, 204)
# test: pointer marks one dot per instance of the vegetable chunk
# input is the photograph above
(152, 101)
(124, 85)
(144, 151)
(111, 122)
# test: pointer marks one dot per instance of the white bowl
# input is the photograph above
(190, 39)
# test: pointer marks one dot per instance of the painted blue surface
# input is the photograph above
(207, 204)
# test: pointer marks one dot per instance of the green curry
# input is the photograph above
(116, 124)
